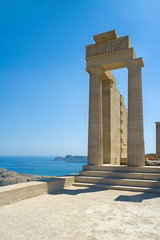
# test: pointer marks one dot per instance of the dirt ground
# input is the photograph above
(83, 214)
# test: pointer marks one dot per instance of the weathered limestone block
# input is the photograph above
(102, 37)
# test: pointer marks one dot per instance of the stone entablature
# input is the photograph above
(108, 46)
(109, 53)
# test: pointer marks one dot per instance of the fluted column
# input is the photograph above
(95, 141)
(106, 106)
(135, 114)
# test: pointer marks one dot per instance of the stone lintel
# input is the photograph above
(105, 36)
(108, 75)
(112, 60)
(94, 69)
(157, 123)
(135, 62)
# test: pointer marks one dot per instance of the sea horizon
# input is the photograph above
(40, 165)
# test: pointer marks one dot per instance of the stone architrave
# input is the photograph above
(135, 114)
(158, 138)
(95, 134)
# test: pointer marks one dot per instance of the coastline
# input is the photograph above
(10, 177)
(40, 166)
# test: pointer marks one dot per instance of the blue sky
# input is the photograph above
(43, 84)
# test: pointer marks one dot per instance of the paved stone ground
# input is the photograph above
(83, 214)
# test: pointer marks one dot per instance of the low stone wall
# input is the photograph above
(21, 191)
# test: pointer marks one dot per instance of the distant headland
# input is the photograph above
(70, 158)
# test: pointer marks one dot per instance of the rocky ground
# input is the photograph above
(152, 159)
(152, 156)
(9, 177)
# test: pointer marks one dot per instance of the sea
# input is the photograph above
(43, 166)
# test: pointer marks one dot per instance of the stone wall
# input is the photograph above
(16, 192)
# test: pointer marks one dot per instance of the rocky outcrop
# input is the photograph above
(9, 177)
(152, 159)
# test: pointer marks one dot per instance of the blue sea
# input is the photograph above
(43, 166)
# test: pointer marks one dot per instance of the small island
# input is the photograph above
(70, 158)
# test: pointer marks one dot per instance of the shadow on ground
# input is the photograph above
(122, 198)
(137, 198)
(77, 191)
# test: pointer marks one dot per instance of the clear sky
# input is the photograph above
(44, 88)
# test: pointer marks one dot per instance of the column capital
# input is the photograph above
(109, 77)
(95, 69)
(157, 123)
(136, 62)
(111, 82)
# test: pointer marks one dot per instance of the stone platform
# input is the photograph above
(79, 213)
(139, 179)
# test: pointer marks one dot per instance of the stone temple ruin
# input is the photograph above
(115, 136)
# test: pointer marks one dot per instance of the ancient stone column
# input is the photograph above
(95, 138)
(158, 138)
(135, 114)
(106, 106)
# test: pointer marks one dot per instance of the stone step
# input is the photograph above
(119, 181)
(116, 174)
(118, 187)
(122, 168)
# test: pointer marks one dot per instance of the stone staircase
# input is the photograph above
(139, 179)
